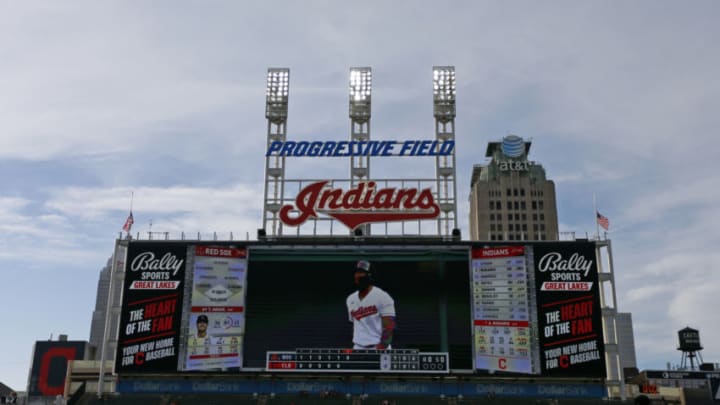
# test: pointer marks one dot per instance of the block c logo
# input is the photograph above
(53, 353)
(502, 363)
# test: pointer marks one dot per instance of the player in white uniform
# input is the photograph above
(371, 310)
(200, 342)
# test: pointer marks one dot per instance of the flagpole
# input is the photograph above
(132, 199)
(129, 221)
(595, 215)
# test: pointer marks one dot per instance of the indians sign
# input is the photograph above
(363, 204)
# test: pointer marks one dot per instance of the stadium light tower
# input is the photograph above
(360, 92)
(444, 91)
(444, 112)
(278, 86)
(360, 103)
(276, 109)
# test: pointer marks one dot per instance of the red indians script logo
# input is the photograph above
(362, 312)
(360, 205)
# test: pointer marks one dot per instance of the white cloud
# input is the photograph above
(74, 218)
(10, 205)
(689, 196)
(646, 294)
(16, 223)
(92, 203)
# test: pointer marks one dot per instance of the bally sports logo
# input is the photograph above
(156, 273)
(360, 205)
(565, 274)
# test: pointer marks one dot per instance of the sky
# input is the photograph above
(165, 100)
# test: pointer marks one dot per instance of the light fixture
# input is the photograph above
(360, 84)
(276, 94)
(444, 93)
(444, 83)
(278, 84)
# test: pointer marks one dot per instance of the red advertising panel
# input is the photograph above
(49, 366)
(568, 305)
(152, 308)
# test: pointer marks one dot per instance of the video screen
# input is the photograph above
(298, 298)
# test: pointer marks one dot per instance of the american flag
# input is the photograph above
(128, 223)
(603, 221)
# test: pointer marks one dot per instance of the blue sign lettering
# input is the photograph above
(360, 148)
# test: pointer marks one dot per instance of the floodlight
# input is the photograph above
(277, 84)
(276, 101)
(360, 89)
(360, 84)
(444, 92)
(444, 83)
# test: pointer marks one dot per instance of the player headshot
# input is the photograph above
(202, 324)
(371, 310)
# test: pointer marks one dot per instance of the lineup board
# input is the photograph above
(218, 296)
(501, 312)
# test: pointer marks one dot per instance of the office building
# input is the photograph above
(510, 197)
(626, 340)
(97, 326)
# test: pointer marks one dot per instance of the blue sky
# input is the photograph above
(166, 100)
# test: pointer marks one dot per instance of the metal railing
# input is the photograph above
(207, 236)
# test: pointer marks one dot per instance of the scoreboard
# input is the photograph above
(529, 308)
(358, 360)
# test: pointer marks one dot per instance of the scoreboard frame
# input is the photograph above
(350, 249)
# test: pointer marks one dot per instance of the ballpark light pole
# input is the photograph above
(444, 112)
(276, 111)
(360, 103)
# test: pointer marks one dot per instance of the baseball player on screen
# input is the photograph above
(371, 310)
